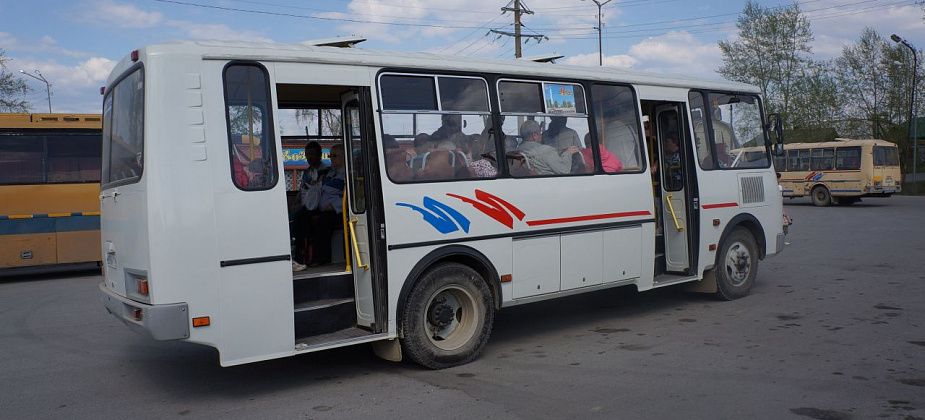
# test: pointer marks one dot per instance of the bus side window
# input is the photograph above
(823, 159)
(431, 140)
(848, 158)
(804, 159)
(617, 122)
(250, 127)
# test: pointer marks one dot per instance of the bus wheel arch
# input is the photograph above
(749, 222)
(447, 315)
(460, 254)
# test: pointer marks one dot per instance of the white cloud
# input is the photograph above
(87, 73)
(623, 61)
(123, 15)
(675, 48)
(842, 26)
(8, 41)
(674, 52)
(216, 31)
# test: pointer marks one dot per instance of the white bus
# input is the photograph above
(471, 186)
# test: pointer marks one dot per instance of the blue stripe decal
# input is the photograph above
(846, 190)
(49, 225)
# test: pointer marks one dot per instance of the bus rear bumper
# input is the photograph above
(160, 322)
(780, 243)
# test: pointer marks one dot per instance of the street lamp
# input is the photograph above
(600, 51)
(912, 125)
(42, 79)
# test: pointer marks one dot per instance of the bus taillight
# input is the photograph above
(142, 286)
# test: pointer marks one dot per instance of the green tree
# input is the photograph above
(772, 50)
(871, 85)
(12, 89)
(816, 102)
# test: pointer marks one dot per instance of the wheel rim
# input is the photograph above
(820, 196)
(451, 318)
(738, 263)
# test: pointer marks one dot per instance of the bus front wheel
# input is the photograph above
(821, 196)
(736, 265)
(448, 317)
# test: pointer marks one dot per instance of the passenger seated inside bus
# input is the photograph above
(620, 136)
(609, 162)
(482, 161)
(443, 164)
(672, 160)
(449, 136)
(422, 146)
(562, 137)
(723, 138)
(330, 208)
(309, 198)
(543, 159)
(397, 159)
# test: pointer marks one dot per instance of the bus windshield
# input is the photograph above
(737, 124)
(123, 131)
(886, 156)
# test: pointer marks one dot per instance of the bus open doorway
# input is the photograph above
(674, 189)
(335, 299)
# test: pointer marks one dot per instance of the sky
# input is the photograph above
(75, 43)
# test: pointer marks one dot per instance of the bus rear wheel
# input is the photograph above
(448, 317)
(821, 196)
(736, 265)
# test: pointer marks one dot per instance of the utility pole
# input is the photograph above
(41, 78)
(600, 38)
(519, 10)
(517, 48)
(912, 120)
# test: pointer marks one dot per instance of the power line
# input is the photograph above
(324, 18)
(722, 25)
(377, 15)
(470, 34)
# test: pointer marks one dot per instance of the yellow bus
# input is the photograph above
(49, 189)
(840, 171)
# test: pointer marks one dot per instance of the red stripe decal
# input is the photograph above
(719, 205)
(586, 218)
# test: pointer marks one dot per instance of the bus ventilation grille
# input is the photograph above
(752, 189)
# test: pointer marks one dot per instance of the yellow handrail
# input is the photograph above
(356, 246)
(673, 215)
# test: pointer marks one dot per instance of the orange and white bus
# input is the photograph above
(839, 172)
(49, 189)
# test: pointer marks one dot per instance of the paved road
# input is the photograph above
(832, 330)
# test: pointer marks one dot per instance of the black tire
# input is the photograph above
(821, 196)
(438, 334)
(736, 265)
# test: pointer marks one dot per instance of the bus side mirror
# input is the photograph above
(775, 126)
(778, 149)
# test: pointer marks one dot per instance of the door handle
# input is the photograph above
(114, 194)
(674, 216)
(356, 246)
